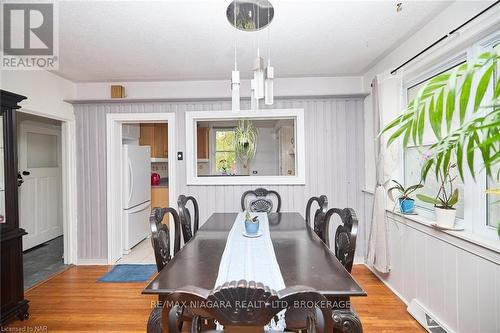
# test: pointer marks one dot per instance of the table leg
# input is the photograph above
(346, 321)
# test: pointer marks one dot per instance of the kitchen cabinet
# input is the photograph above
(159, 198)
(202, 142)
(155, 136)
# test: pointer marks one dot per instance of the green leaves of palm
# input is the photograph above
(404, 192)
(446, 97)
(449, 203)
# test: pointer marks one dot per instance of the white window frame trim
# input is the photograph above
(474, 196)
(191, 162)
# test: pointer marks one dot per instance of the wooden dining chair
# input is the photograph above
(345, 235)
(261, 201)
(319, 215)
(236, 318)
(160, 239)
(160, 235)
(188, 231)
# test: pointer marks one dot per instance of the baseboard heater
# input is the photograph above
(426, 318)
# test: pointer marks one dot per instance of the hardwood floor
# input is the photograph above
(74, 302)
(381, 310)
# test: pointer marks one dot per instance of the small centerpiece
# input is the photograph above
(251, 224)
(406, 202)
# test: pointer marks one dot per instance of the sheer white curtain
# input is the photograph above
(386, 101)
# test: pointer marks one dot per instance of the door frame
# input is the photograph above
(114, 122)
(69, 185)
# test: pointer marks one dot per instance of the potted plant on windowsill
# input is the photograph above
(406, 203)
(445, 200)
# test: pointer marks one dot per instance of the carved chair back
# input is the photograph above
(188, 231)
(160, 235)
(345, 235)
(261, 201)
(319, 215)
(250, 304)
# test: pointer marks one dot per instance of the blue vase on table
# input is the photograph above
(251, 226)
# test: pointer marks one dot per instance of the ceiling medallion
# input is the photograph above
(250, 15)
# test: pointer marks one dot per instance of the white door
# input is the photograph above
(40, 208)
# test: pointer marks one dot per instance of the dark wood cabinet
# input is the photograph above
(13, 303)
(202, 142)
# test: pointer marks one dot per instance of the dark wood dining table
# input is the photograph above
(303, 259)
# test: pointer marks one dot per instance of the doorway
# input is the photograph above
(140, 175)
(40, 196)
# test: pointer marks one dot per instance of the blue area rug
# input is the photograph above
(129, 273)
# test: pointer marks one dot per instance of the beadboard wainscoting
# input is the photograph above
(334, 140)
(457, 281)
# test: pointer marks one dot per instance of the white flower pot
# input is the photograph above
(445, 217)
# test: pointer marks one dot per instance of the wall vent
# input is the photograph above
(426, 318)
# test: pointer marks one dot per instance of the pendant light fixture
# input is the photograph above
(246, 16)
(235, 76)
(259, 76)
(268, 85)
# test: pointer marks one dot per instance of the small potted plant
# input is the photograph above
(445, 199)
(251, 224)
(406, 203)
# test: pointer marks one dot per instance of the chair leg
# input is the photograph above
(154, 321)
(173, 320)
(196, 324)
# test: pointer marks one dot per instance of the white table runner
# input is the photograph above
(251, 259)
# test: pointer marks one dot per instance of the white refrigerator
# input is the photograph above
(136, 195)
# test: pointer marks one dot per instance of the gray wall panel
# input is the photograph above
(334, 162)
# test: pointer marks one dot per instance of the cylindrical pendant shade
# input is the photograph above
(253, 101)
(235, 90)
(269, 98)
(269, 86)
(259, 77)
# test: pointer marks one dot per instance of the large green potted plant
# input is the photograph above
(457, 95)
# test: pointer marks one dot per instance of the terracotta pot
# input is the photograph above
(445, 217)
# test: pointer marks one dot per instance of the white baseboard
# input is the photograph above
(92, 262)
(359, 260)
(377, 274)
(427, 319)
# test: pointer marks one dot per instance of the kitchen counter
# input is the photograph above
(163, 183)
(159, 195)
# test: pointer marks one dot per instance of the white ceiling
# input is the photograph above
(192, 40)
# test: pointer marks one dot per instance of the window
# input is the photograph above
(225, 154)
(413, 161)
(479, 212)
(493, 201)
